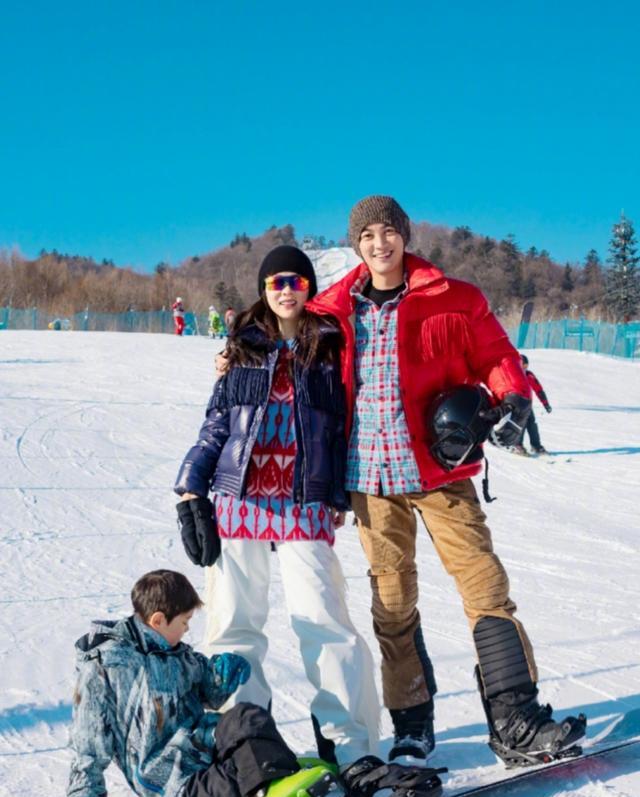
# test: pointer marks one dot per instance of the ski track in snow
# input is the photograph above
(93, 428)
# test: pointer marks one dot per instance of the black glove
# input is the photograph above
(545, 401)
(509, 420)
(199, 531)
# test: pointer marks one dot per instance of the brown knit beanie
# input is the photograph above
(377, 209)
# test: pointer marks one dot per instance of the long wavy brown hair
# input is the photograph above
(313, 342)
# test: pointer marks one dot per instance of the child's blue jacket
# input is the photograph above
(141, 704)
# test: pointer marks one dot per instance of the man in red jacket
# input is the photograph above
(411, 333)
(532, 426)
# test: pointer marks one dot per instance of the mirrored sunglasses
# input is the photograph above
(280, 281)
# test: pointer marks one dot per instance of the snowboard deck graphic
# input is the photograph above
(547, 780)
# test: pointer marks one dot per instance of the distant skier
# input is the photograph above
(229, 319)
(532, 426)
(216, 327)
(178, 315)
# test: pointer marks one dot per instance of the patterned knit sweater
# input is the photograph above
(268, 511)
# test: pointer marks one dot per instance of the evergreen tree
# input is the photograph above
(529, 288)
(567, 279)
(512, 265)
(220, 292)
(486, 246)
(623, 278)
(233, 299)
(592, 267)
(460, 236)
(286, 235)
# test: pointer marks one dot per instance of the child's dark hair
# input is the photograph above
(164, 591)
(312, 345)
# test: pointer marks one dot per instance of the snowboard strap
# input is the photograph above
(485, 483)
(369, 774)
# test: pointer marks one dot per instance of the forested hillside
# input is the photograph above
(63, 284)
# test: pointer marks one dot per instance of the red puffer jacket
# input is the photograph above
(538, 389)
(447, 336)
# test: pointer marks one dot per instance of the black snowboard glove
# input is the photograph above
(545, 401)
(199, 531)
(509, 420)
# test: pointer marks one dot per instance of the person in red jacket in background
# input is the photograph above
(411, 333)
(178, 315)
(532, 426)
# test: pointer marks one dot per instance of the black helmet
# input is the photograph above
(455, 425)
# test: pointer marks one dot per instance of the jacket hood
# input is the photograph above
(130, 631)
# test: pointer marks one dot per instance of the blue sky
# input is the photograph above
(146, 131)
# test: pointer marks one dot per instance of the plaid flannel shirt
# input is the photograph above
(380, 459)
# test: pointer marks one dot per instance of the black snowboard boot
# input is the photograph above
(413, 739)
(369, 774)
(522, 732)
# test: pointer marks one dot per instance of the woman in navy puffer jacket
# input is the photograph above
(273, 451)
(221, 458)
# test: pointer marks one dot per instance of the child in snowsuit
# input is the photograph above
(140, 700)
(178, 316)
(273, 449)
(532, 427)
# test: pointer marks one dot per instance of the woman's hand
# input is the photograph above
(222, 364)
(337, 517)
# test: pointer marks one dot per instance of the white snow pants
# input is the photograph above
(337, 660)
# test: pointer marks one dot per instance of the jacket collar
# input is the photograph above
(338, 300)
(255, 338)
(131, 630)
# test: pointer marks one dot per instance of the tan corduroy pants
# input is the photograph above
(456, 525)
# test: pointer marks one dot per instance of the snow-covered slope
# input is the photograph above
(332, 264)
(93, 427)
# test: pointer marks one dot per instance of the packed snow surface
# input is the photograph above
(93, 428)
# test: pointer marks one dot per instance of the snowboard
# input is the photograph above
(547, 780)
(525, 320)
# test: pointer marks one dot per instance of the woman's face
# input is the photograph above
(286, 294)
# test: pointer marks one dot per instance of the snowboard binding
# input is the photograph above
(369, 774)
(529, 735)
(316, 778)
(514, 758)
